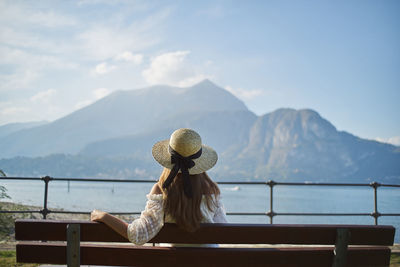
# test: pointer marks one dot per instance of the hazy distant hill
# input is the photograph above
(113, 138)
(15, 127)
(223, 130)
(119, 114)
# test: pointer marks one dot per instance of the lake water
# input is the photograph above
(130, 197)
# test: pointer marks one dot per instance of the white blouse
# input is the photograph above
(151, 219)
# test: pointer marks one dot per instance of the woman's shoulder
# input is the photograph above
(156, 190)
(155, 193)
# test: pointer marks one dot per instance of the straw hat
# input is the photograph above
(186, 142)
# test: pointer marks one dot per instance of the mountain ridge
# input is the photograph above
(119, 114)
(117, 132)
(10, 128)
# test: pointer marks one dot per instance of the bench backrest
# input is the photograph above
(127, 254)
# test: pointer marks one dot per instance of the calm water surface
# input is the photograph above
(131, 197)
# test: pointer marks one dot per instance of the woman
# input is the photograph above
(184, 194)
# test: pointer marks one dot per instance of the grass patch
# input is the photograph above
(8, 258)
(395, 260)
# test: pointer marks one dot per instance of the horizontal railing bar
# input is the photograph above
(228, 213)
(320, 184)
(20, 178)
(103, 180)
(247, 213)
(88, 212)
(55, 179)
(142, 181)
(390, 185)
(20, 211)
(218, 182)
(242, 182)
(321, 214)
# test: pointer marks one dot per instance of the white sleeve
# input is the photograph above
(150, 222)
(220, 213)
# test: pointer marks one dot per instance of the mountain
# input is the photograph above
(113, 138)
(15, 127)
(301, 145)
(119, 114)
(232, 126)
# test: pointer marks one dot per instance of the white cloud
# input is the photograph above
(192, 80)
(243, 93)
(27, 68)
(18, 80)
(103, 68)
(43, 96)
(29, 51)
(41, 106)
(101, 92)
(34, 43)
(75, 34)
(10, 111)
(23, 13)
(141, 172)
(96, 95)
(104, 41)
(395, 140)
(129, 57)
(25, 59)
(83, 104)
(53, 45)
(172, 69)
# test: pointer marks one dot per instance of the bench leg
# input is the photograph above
(342, 242)
(73, 245)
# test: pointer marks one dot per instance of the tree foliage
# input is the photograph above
(6, 220)
(3, 190)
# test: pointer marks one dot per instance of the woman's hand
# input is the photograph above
(116, 224)
(97, 215)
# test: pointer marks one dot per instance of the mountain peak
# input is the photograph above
(205, 82)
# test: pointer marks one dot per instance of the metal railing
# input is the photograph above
(270, 184)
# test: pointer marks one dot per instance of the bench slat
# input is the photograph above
(54, 230)
(214, 233)
(114, 255)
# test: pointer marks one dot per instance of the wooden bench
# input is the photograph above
(43, 241)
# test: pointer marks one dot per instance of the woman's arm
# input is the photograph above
(113, 222)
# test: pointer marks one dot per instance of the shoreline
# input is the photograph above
(53, 215)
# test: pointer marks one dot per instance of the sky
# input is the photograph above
(340, 58)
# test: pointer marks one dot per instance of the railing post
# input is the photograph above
(271, 212)
(375, 214)
(45, 211)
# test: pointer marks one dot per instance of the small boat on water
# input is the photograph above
(235, 188)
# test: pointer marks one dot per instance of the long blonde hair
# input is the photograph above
(186, 211)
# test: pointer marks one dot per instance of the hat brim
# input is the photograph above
(206, 161)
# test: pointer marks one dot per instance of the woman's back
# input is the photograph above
(184, 194)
